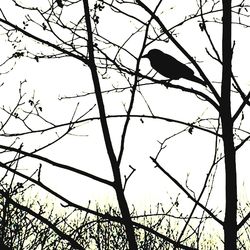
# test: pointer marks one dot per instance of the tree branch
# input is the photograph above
(36, 38)
(157, 19)
(186, 192)
(56, 164)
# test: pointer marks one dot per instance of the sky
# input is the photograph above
(185, 155)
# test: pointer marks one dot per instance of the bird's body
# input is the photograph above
(169, 67)
(59, 2)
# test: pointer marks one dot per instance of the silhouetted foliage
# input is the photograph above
(22, 231)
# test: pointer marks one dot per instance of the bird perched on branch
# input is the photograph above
(169, 67)
(59, 2)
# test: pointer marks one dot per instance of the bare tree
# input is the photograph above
(62, 31)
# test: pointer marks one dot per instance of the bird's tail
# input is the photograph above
(196, 79)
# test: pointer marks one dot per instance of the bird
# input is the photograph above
(59, 2)
(169, 67)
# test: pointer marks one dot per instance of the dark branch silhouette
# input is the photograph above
(171, 68)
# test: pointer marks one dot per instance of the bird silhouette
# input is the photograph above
(169, 67)
(59, 2)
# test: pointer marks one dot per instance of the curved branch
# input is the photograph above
(56, 164)
(186, 192)
(36, 38)
(134, 87)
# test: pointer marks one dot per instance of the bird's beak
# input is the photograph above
(145, 56)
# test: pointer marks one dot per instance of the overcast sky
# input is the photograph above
(185, 155)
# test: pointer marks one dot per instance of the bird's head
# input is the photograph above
(153, 53)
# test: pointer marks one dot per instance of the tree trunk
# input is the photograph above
(230, 223)
(110, 151)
